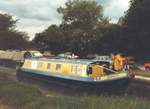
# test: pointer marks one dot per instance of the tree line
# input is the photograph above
(10, 38)
(85, 30)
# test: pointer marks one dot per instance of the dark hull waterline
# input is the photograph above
(118, 85)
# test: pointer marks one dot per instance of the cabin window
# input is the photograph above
(58, 67)
(34, 64)
(39, 65)
(76, 69)
(73, 70)
(49, 66)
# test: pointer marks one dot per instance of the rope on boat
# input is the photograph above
(110, 69)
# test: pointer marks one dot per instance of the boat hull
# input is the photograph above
(118, 85)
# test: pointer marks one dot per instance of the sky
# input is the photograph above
(36, 15)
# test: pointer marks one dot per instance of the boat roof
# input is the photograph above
(64, 60)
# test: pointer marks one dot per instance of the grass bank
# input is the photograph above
(142, 73)
(22, 96)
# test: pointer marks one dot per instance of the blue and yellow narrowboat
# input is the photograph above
(87, 74)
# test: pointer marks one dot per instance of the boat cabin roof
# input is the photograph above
(63, 60)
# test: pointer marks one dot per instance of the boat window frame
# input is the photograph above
(58, 67)
(49, 65)
(40, 65)
(76, 69)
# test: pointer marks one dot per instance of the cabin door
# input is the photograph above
(97, 71)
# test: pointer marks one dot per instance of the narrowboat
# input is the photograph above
(86, 74)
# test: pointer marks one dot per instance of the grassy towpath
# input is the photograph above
(143, 73)
(22, 96)
(18, 95)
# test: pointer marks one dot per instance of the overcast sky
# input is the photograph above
(36, 15)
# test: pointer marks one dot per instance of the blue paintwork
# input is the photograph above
(68, 77)
(118, 85)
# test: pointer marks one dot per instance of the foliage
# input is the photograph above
(79, 30)
(9, 37)
(6, 22)
(82, 14)
(51, 39)
(84, 30)
(136, 28)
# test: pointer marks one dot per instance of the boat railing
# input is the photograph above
(110, 70)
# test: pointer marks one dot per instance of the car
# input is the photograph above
(48, 54)
(147, 66)
(68, 55)
(103, 59)
(131, 60)
(91, 56)
(32, 54)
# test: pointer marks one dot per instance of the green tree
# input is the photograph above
(51, 39)
(80, 31)
(9, 37)
(136, 28)
(6, 22)
(82, 13)
(83, 17)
